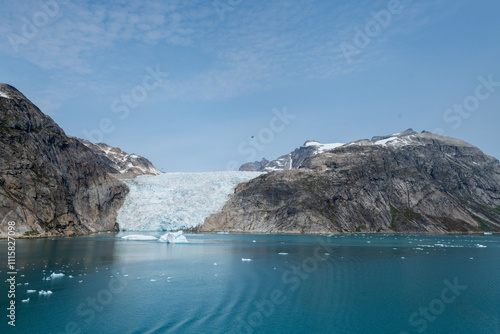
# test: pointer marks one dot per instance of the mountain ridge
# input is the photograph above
(405, 182)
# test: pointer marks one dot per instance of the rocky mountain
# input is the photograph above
(50, 183)
(120, 164)
(256, 166)
(309, 149)
(406, 182)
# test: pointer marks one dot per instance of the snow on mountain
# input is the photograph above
(122, 164)
(2, 94)
(313, 147)
(321, 148)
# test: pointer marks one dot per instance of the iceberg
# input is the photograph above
(54, 275)
(31, 291)
(44, 293)
(173, 238)
(137, 237)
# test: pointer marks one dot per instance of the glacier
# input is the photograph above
(175, 201)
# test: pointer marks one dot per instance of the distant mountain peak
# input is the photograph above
(121, 164)
(313, 147)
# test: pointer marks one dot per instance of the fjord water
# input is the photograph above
(285, 284)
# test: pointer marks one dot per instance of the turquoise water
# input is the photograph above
(363, 284)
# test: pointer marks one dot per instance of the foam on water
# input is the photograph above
(176, 201)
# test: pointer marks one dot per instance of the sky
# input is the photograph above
(210, 85)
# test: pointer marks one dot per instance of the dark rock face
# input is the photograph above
(406, 182)
(50, 183)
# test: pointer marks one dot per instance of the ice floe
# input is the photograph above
(139, 237)
(55, 275)
(44, 293)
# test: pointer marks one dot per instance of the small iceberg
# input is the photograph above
(31, 291)
(139, 237)
(26, 300)
(282, 253)
(480, 246)
(488, 233)
(54, 275)
(246, 260)
(173, 238)
(44, 293)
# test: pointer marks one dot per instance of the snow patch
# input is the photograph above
(2, 94)
(384, 142)
(320, 148)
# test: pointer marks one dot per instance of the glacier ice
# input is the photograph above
(174, 237)
(175, 201)
(137, 237)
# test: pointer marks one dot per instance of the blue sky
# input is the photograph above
(187, 84)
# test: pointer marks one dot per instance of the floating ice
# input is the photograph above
(26, 300)
(31, 291)
(137, 237)
(173, 238)
(246, 260)
(176, 201)
(480, 246)
(44, 293)
(282, 253)
(54, 275)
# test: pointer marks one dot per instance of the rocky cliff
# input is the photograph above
(120, 164)
(406, 182)
(50, 183)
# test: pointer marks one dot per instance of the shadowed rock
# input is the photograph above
(50, 183)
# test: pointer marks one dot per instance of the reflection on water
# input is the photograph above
(294, 284)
